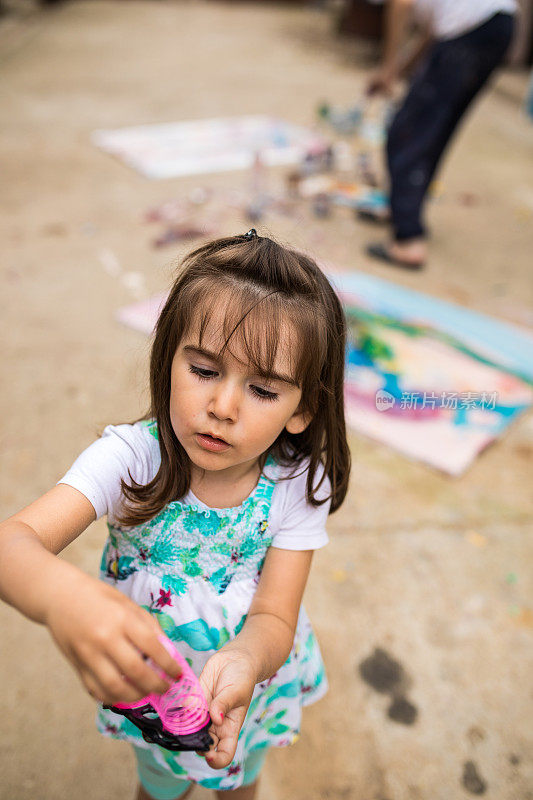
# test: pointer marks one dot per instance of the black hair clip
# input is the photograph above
(252, 234)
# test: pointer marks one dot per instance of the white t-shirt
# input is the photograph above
(447, 19)
(293, 523)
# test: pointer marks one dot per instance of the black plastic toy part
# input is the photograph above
(153, 731)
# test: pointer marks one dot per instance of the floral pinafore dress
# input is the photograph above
(196, 570)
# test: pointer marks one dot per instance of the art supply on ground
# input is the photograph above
(316, 184)
(292, 183)
(344, 121)
(365, 170)
(184, 218)
(176, 720)
(344, 160)
(169, 211)
(255, 210)
(360, 198)
(180, 233)
(259, 199)
(372, 132)
(372, 204)
(319, 157)
(322, 205)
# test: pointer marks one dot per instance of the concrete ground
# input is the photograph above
(422, 601)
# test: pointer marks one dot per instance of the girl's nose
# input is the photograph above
(224, 403)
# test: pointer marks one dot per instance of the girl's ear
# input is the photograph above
(298, 422)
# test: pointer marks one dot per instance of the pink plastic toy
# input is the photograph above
(178, 719)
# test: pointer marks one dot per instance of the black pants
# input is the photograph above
(450, 77)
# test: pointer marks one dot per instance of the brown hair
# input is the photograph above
(261, 284)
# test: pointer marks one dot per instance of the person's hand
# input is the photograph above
(228, 680)
(381, 81)
(108, 639)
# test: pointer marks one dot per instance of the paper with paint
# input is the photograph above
(193, 147)
(431, 379)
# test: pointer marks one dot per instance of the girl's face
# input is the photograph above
(223, 414)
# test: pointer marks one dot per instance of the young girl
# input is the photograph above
(215, 503)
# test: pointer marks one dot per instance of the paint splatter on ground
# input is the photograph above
(401, 710)
(472, 781)
(381, 671)
(387, 676)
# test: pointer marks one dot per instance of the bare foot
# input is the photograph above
(409, 254)
(411, 251)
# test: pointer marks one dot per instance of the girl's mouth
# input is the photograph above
(211, 443)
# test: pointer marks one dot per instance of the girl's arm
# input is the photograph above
(268, 633)
(259, 650)
(29, 541)
(99, 630)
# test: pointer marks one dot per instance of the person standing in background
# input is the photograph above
(462, 42)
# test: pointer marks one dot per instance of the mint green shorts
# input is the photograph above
(162, 785)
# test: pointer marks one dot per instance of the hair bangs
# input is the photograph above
(253, 324)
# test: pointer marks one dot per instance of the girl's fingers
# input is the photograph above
(213, 747)
(111, 684)
(148, 638)
(120, 664)
(95, 689)
(215, 737)
(99, 689)
(206, 682)
(137, 670)
(225, 737)
(223, 755)
(228, 699)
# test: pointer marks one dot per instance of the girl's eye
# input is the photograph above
(264, 394)
(201, 373)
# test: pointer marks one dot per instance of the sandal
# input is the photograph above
(381, 252)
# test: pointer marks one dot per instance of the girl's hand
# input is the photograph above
(228, 680)
(108, 638)
(257, 652)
